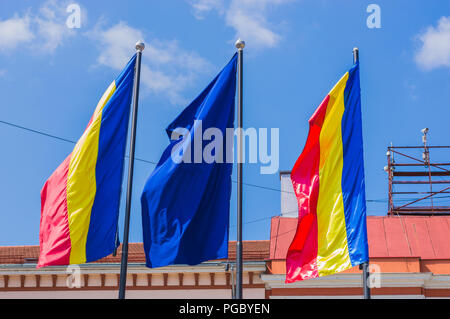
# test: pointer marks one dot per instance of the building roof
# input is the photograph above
(426, 237)
(252, 250)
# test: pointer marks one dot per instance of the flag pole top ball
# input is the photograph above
(239, 44)
(355, 54)
(140, 46)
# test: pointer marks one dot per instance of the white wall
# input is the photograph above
(289, 207)
(250, 293)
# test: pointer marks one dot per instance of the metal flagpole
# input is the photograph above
(238, 295)
(364, 266)
(124, 262)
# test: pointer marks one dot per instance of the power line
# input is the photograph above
(37, 132)
(155, 163)
(145, 161)
(259, 220)
(136, 158)
(61, 138)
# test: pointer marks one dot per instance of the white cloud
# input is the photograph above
(117, 44)
(435, 47)
(201, 7)
(166, 68)
(51, 25)
(44, 31)
(249, 18)
(15, 31)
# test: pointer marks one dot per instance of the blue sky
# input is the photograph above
(51, 78)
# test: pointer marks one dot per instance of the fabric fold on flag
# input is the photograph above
(328, 181)
(80, 201)
(186, 199)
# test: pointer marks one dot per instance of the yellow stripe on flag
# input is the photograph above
(332, 255)
(81, 182)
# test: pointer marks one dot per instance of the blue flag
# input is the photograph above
(186, 199)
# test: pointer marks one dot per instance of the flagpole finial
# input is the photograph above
(240, 44)
(140, 46)
(355, 54)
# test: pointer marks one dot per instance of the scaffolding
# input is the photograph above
(422, 183)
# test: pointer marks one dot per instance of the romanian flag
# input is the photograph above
(328, 181)
(80, 200)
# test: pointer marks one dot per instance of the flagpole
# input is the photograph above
(239, 272)
(124, 262)
(363, 266)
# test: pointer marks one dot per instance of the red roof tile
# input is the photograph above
(252, 250)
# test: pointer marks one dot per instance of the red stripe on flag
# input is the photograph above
(54, 235)
(302, 253)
